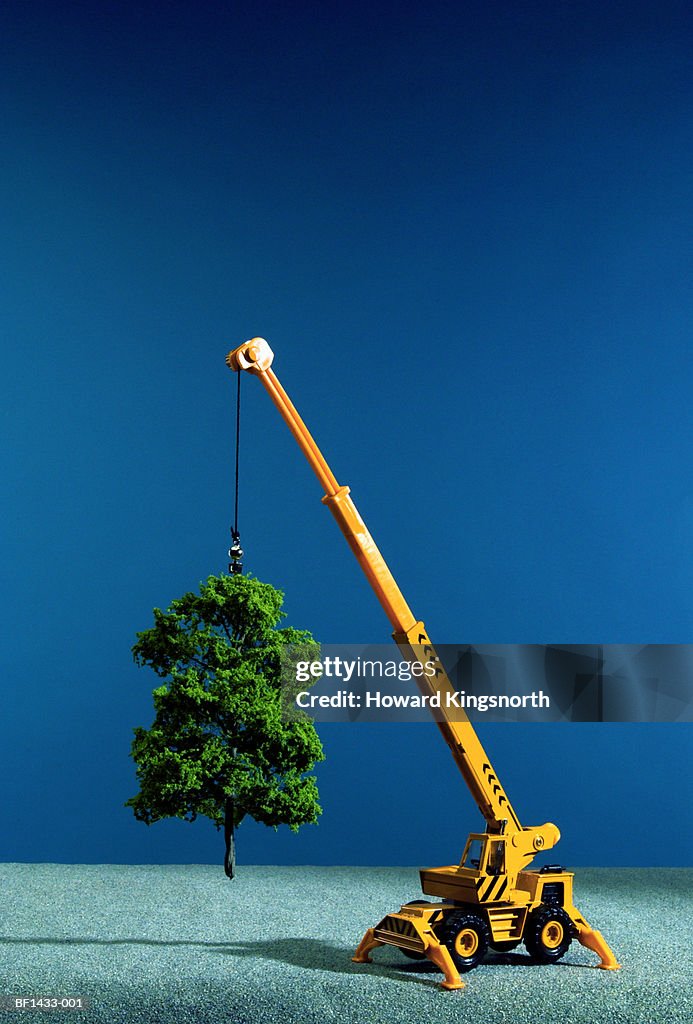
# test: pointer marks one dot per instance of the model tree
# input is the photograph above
(220, 745)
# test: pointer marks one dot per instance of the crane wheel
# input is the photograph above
(466, 937)
(548, 934)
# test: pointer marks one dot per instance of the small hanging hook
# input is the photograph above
(235, 553)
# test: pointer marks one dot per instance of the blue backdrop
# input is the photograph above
(464, 230)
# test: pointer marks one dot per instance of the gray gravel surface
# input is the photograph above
(182, 944)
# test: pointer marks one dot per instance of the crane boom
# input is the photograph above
(409, 633)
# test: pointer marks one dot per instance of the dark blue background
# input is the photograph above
(463, 227)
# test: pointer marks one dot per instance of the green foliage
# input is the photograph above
(218, 731)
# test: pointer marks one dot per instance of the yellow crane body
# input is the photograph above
(489, 899)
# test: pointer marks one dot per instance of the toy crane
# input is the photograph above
(489, 899)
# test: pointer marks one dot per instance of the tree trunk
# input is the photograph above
(230, 856)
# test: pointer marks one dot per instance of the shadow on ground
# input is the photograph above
(312, 954)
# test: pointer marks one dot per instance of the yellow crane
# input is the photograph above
(491, 898)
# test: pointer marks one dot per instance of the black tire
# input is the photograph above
(411, 954)
(548, 934)
(466, 937)
(507, 946)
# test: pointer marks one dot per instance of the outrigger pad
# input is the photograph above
(440, 956)
(595, 941)
(367, 943)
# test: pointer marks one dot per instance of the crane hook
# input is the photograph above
(235, 553)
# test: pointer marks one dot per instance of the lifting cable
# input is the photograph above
(236, 551)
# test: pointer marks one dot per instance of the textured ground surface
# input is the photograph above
(182, 944)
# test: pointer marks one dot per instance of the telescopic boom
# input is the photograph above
(409, 633)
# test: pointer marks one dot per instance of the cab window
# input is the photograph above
(473, 854)
(496, 859)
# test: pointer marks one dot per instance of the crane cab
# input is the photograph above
(480, 877)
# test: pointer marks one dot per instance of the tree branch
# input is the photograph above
(226, 629)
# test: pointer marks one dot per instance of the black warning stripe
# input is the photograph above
(502, 889)
(430, 654)
(493, 890)
(497, 788)
(398, 925)
(485, 892)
